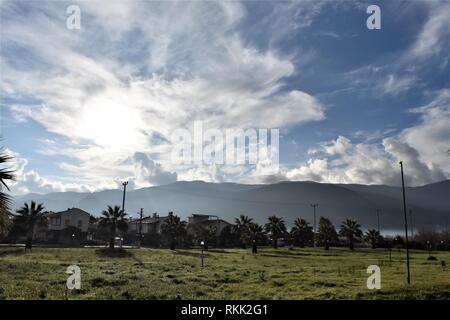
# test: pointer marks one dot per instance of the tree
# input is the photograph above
(373, 237)
(302, 232)
(398, 242)
(174, 229)
(256, 232)
(5, 201)
(28, 217)
(113, 219)
(351, 230)
(92, 219)
(275, 228)
(326, 233)
(242, 229)
(207, 234)
(228, 237)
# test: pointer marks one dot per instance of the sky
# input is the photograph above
(85, 109)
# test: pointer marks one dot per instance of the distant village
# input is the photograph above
(74, 227)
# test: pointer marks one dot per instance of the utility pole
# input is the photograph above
(411, 223)
(406, 223)
(140, 226)
(314, 205)
(378, 219)
(123, 199)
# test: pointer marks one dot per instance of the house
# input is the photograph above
(205, 221)
(69, 218)
(68, 227)
(148, 225)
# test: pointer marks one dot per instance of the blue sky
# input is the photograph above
(85, 109)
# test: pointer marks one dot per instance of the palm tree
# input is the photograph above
(373, 237)
(114, 219)
(256, 232)
(242, 229)
(351, 230)
(174, 229)
(302, 232)
(276, 229)
(326, 233)
(5, 200)
(30, 216)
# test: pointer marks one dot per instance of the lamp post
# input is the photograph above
(314, 205)
(406, 223)
(411, 223)
(202, 244)
(378, 219)
(125, 183)
(140, 226)
(390, 251)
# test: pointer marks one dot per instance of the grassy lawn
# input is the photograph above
(228, 274)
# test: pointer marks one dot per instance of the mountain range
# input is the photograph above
(430, 204)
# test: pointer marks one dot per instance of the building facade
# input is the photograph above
(69, 227)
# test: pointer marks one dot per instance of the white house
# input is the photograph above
(69, 218)
(60, 221)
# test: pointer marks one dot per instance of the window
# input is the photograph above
(55, 221)
(80, 224)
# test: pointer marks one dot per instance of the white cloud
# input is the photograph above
(433, 39)
(31, 181)
(366, 164)
(27, 181)
(396, 84)
(423, 148)
(431, 137)
(148, 172)
(106, 98)
(313, 170)
(135, 72)
(210, 173)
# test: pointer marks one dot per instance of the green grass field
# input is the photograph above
(228, 274)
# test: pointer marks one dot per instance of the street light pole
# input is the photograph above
(202, 245)
(378, 219)
(314, 205)
(406, 223)
(140, 226)
(123, 199)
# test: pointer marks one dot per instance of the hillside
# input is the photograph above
(430, 203)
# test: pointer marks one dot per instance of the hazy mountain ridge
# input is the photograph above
(430, 203)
